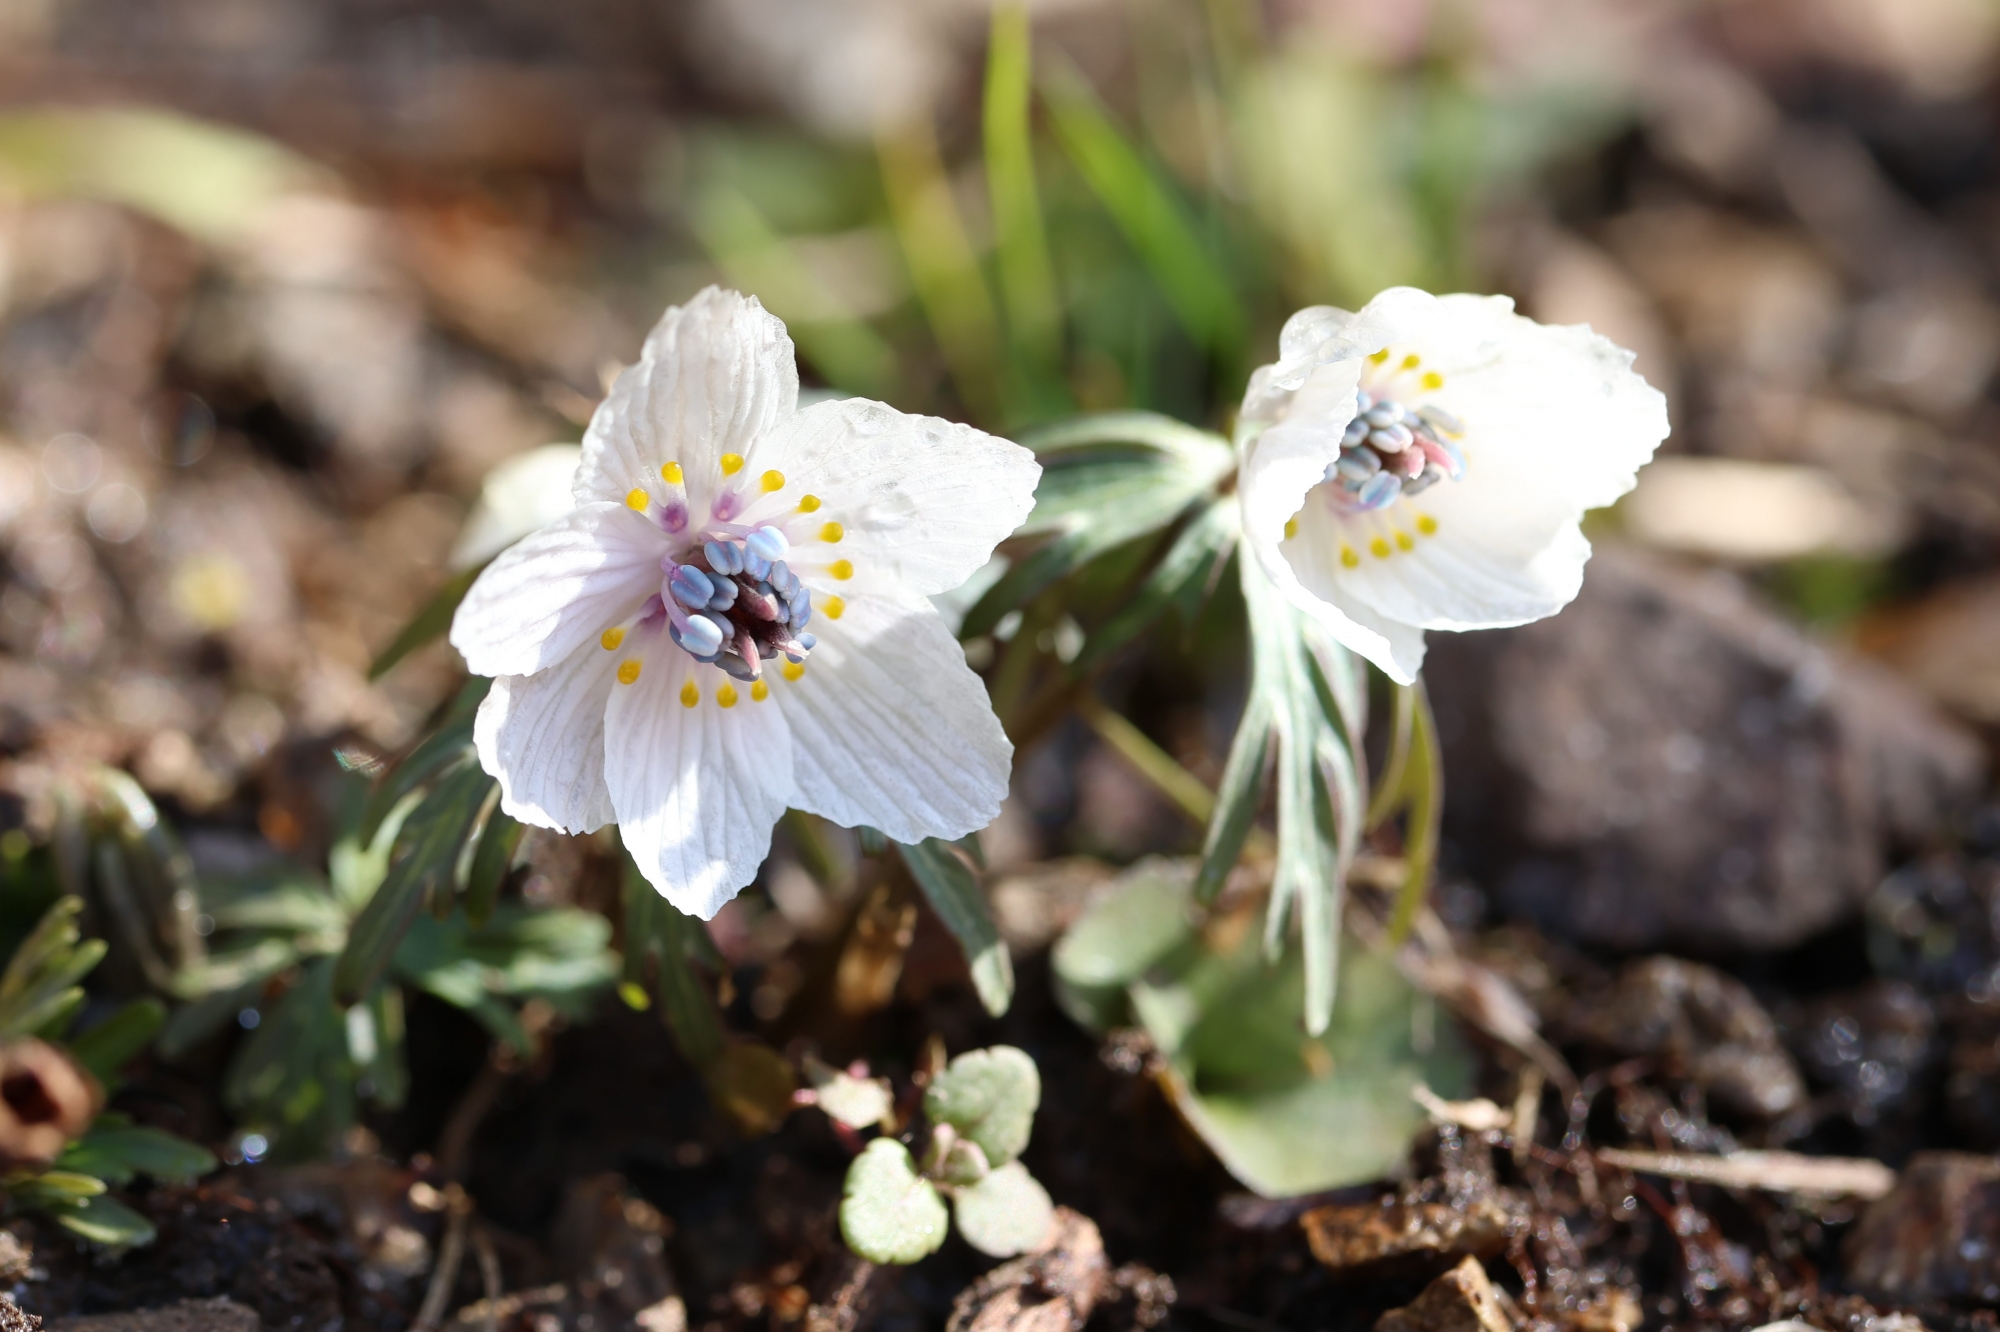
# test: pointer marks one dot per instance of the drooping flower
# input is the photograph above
(1425, 464)
(732, 620)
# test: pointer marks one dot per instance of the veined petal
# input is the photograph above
(715, 376)
(542, 735)
(557, 589)
(1313, 586)
(1560, 401)
(891, 728)
(697, 789)
(918, 503)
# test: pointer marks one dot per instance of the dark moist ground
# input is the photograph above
(750, 1238)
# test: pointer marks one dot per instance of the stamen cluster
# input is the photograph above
(733, 603)
(1390, 450)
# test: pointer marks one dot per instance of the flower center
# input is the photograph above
(1392, 450)
(731, 602)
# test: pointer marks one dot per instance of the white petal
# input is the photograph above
(526, 492)
(891, 728)
(715, 375)
(556, 590)
(920, 502)
(542, 735)
(1314, 587)
(1560, 401)
(697, 789)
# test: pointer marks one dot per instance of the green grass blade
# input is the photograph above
(755, 257)
(943, 265)
(1027, 279)
(1148, 211)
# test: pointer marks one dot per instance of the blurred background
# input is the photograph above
(280, 284)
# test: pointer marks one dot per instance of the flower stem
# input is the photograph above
(1188, 793)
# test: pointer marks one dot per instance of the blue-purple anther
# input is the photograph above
(1389, 451)
(733, 603)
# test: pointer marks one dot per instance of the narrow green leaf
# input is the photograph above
(104, 1221)
(654, 927)
(1389, 791)
(428, 848)
(888, 1212)
(429, 623)
(943, 266)
(756, 258)
(1157, 766)
(990, 1096)
(53, 1187)
(112, 1043)
(450, 744)
(1147, 210)
(953, 892)
(498, 841)
(1244, 778)
(116, 1153)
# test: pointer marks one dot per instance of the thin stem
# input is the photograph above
(1188, 793)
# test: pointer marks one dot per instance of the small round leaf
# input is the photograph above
(990, 1097)
(890, 1213)
(1006, 1213)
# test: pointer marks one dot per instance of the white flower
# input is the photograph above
(653, 665)
(1452, 499)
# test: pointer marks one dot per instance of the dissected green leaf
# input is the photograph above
(888, 1212)
(1307, 682)
(989, 1096)
(450, 744)
(427, 851)
(40, 983)
(953, 892)
(1106, 483)
(1006, 1213)
(1189, 563)
(112, 1043)
(1244, 778)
